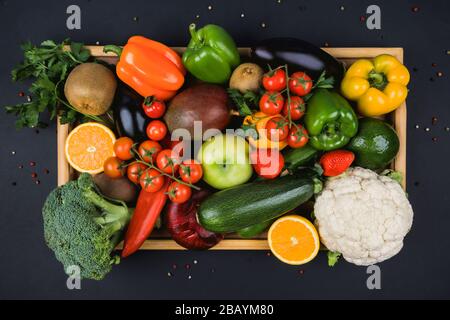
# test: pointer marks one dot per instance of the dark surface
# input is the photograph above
(422, 270)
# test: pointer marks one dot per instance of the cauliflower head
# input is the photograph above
(364, 216)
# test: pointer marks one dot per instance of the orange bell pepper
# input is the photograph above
(149, 67)
(259, 121)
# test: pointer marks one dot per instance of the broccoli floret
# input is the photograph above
(83, 228)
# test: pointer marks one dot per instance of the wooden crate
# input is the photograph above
(160, 240)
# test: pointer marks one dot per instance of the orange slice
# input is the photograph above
(88, 146)
(294, 240)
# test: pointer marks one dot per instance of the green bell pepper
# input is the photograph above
(211, 54)
(330, 120)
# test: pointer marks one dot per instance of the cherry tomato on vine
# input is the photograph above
(156, 130)
(153, 108)
(300, 83)
(296, 107)
(135, 171)
(274, 80)
(298, 137)
(148, 150)
(151, 180)
(271, 103)
(277, 129)
(122, 148)
(179, 193)
(268, 163)
(167, 161)
(113, 167)
(190, 171)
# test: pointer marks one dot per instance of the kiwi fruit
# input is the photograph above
(90, 88)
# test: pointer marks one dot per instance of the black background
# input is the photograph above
(422, 270)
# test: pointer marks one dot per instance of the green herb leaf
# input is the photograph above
(48, 65)
(242, 101)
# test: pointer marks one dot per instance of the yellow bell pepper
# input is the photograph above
(259, 120)
(378, 86)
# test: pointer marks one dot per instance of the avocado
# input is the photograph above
(375, 145)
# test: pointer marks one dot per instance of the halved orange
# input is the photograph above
(294, 240)
(88, 146)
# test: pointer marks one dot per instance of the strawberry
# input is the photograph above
(336, 162)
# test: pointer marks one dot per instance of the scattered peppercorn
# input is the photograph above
(135, 19)
(417, 126)
(20, 166)
(263, 25)
(439, 74)
(13, 153)
(362, 18)
(32, 163)
(301, 272)
(447, 129)
(46, 171)
(415, 9)
(34, 175)
(21, 94)
(434, 65)
(169, 274)
(37, 182)
(432, 79)
(434, 120)
(187, 266)
(415, 69)
(14, 184)
(434, 139)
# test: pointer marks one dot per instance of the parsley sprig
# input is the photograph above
(48, 65)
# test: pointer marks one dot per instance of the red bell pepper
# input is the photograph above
(148, 208)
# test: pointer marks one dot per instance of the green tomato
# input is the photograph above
(225, 161)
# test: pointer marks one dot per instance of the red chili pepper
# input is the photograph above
(148, 208)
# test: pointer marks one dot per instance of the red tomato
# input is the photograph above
(277, 129)
(179, 193)
(300, 83)
(156, 130)
(135, 171)
(153, 108)
(274, 80)
(122, 148)
(113, 167)
(191, 171)
(271, 103)
(167, 161)
(298, 137)
(148, 150)
(151, 180)
(296, 107)
(267, 163)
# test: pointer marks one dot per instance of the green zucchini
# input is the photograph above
(254, 230)
(236, 208)
(295, 158)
